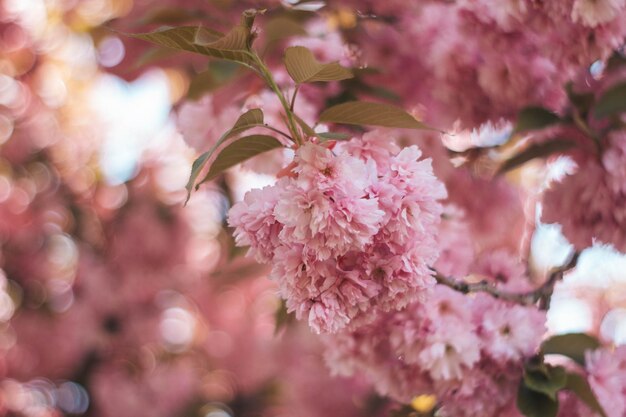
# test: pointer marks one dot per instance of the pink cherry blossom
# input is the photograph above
(607, 377)
(589, 203)
(473, 367)
(352, 235)
(509, 332)
(202, 122)
(593, 13)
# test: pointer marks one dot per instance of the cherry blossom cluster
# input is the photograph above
(115, 300)
(589, 204)
(348, 232)
(467, 351)
(607, 376)
(106, 306)
(430, 348)
(477, 62)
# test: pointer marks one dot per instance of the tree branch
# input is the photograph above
(540, 295)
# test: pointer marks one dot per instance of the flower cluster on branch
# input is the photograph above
(411, 155)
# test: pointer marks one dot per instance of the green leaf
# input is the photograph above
(572, 345)
(180, 38)
(240, 151)
(613, 101)
(582, 101)
(248, 120)
(304, 68)
(367, 113)
(362, 85)
(549, 384)
(236, 40)
(381, 92)
(232, 46)
(535, 118)
(196, 168)
(534, 404)
(539, 150)
(333, 136)
(579, 385)
(219, 72)
(308, 131)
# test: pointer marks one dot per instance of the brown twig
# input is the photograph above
(539, 295)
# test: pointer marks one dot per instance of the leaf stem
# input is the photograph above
(293, 98)
(267, 76)
(542, 294)
(280, 132)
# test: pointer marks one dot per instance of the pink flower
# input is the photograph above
(254, 222)
(502, 268)
(202, 122)
(375, 145)
(490, 207)
(590, 203)
(327, 208)
(346, 235)
(570, 405)
(455, 243)
(484, 391)
(117, 392)
(449, 352)
(378, 351)
(450, 346)
(487, 134)
(507, 15)
(607, 377)
(509, 332)
(596, 12)
(479, 62)
(436, 347)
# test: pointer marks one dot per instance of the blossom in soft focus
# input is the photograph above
(488, 134)
(511, 333)
(589, 203)
(607, 376)
(593, 13)
(202, 122)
